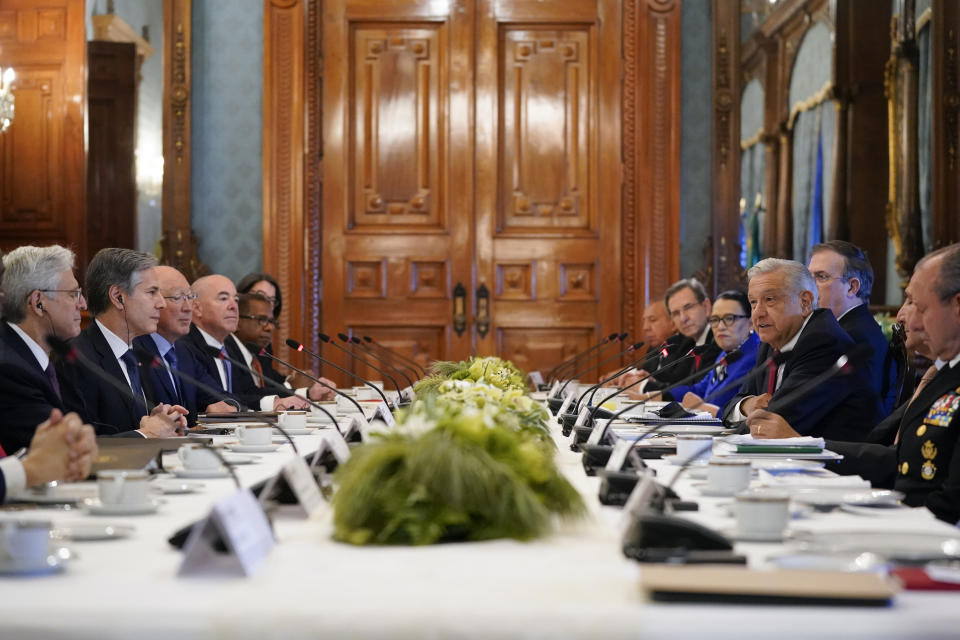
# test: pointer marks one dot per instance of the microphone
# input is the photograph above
(635, 346)
(415, 367)
(154, 361)
(844, 364)
(644, 360)
(554, 374)
(357, 341)
(296, 346)
(325, 338)
(343, 337)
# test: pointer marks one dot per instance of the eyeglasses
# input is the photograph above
(264, 321)
(180, 297)
(824, 277)
(684, 309)
(727, 319)
(76, 294)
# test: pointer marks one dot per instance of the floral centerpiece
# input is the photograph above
(470, 460)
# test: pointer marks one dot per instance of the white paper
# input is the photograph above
(619, 455)
(240, 522)
(383, 413)
(338, 446)
(409, 394)
(566, 404)
(358, 424)
(582, 418)
(536, 378)
(801, 441)
(640, 498)
(301, 482)
(553, 389)
(599, 429)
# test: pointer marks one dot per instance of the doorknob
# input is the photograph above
(459, 309)
(483, 310)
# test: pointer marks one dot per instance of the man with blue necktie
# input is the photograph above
(161, 383)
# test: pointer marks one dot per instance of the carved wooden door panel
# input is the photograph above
(507, 181)
(398, 173)
(548, 176)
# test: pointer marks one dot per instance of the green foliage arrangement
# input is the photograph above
(469, 460)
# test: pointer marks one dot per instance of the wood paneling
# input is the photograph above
(651, 154)
(42, 153)
(179, 246)
(418, 175)
(111, 116)
(725, 183)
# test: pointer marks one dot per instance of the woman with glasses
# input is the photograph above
(730, 321)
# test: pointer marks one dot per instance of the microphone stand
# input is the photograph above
(413, 367)
(346, 339)
(359, 343)
(296, 346)
(635, 346)
(554, 374)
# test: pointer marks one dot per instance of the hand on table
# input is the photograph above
(318, 392)
(49, 454)
(221, 407)
(753, 403)
(290, 402)
(764, 424)
(164, 421)
(693, 402)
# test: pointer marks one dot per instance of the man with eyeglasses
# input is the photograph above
(844, 280)
(125, 302)
(783, 299)
(215, 317)
(255, 333)
(161, 383)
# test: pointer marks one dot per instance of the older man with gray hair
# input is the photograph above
(783, 299)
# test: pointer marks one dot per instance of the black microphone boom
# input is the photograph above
(414, 366)
(297, 346)
(634, 347)
(357, 341)
(345, 338)
(570, 363)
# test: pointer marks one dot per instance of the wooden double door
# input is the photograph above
(471, 176)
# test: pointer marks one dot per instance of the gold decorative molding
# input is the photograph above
(758, 136)
(826, 92)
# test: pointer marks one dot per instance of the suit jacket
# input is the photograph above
(26, 397)
(843, 408)
(860, 325)
(159, 388)
(244, 388)
(666, 375)
(925, 463)
(108, 410)
(715, 382)
(267, 364)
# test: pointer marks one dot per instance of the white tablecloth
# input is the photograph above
(575, 583)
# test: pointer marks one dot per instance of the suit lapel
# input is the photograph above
(946, 380)
(108, 362)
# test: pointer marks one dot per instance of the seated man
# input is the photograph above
(160, 383)
(125, 302)
(924, 459)
(215, 315)
(783, 298)
(62, 450)
(730, 322)
(255, 334)
(657, 329)
(844, 280)
(689, 307)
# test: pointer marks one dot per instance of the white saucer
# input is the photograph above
(678, 461)
(55, 561)
(170, 486)
(97, 508)
(306, 431)
(86, 531)
(254, 448)
(201, 473)
(239, 458)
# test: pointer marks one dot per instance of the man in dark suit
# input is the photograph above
(215, 317)
(783, 296)
(125, 301)
(844, 280)
(689, 308)
(255, 330)
(160, 383)
(924, 460)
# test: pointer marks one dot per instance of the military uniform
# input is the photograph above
(925, 462)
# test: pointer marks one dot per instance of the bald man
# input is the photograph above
(172, 355)
(215, 317)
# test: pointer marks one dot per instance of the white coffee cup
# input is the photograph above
(129, 487)
(762, 514)
(25, 540)
(293, 419)
(197, 457)
(254, 435)
(366, 393)
(345, 406)
(694, 447)
(728, 477)
(320, 416)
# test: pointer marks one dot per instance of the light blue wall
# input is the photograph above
(227, 129)
(149, 142)
(695, 135)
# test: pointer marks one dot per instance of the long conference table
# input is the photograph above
(572, 583)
